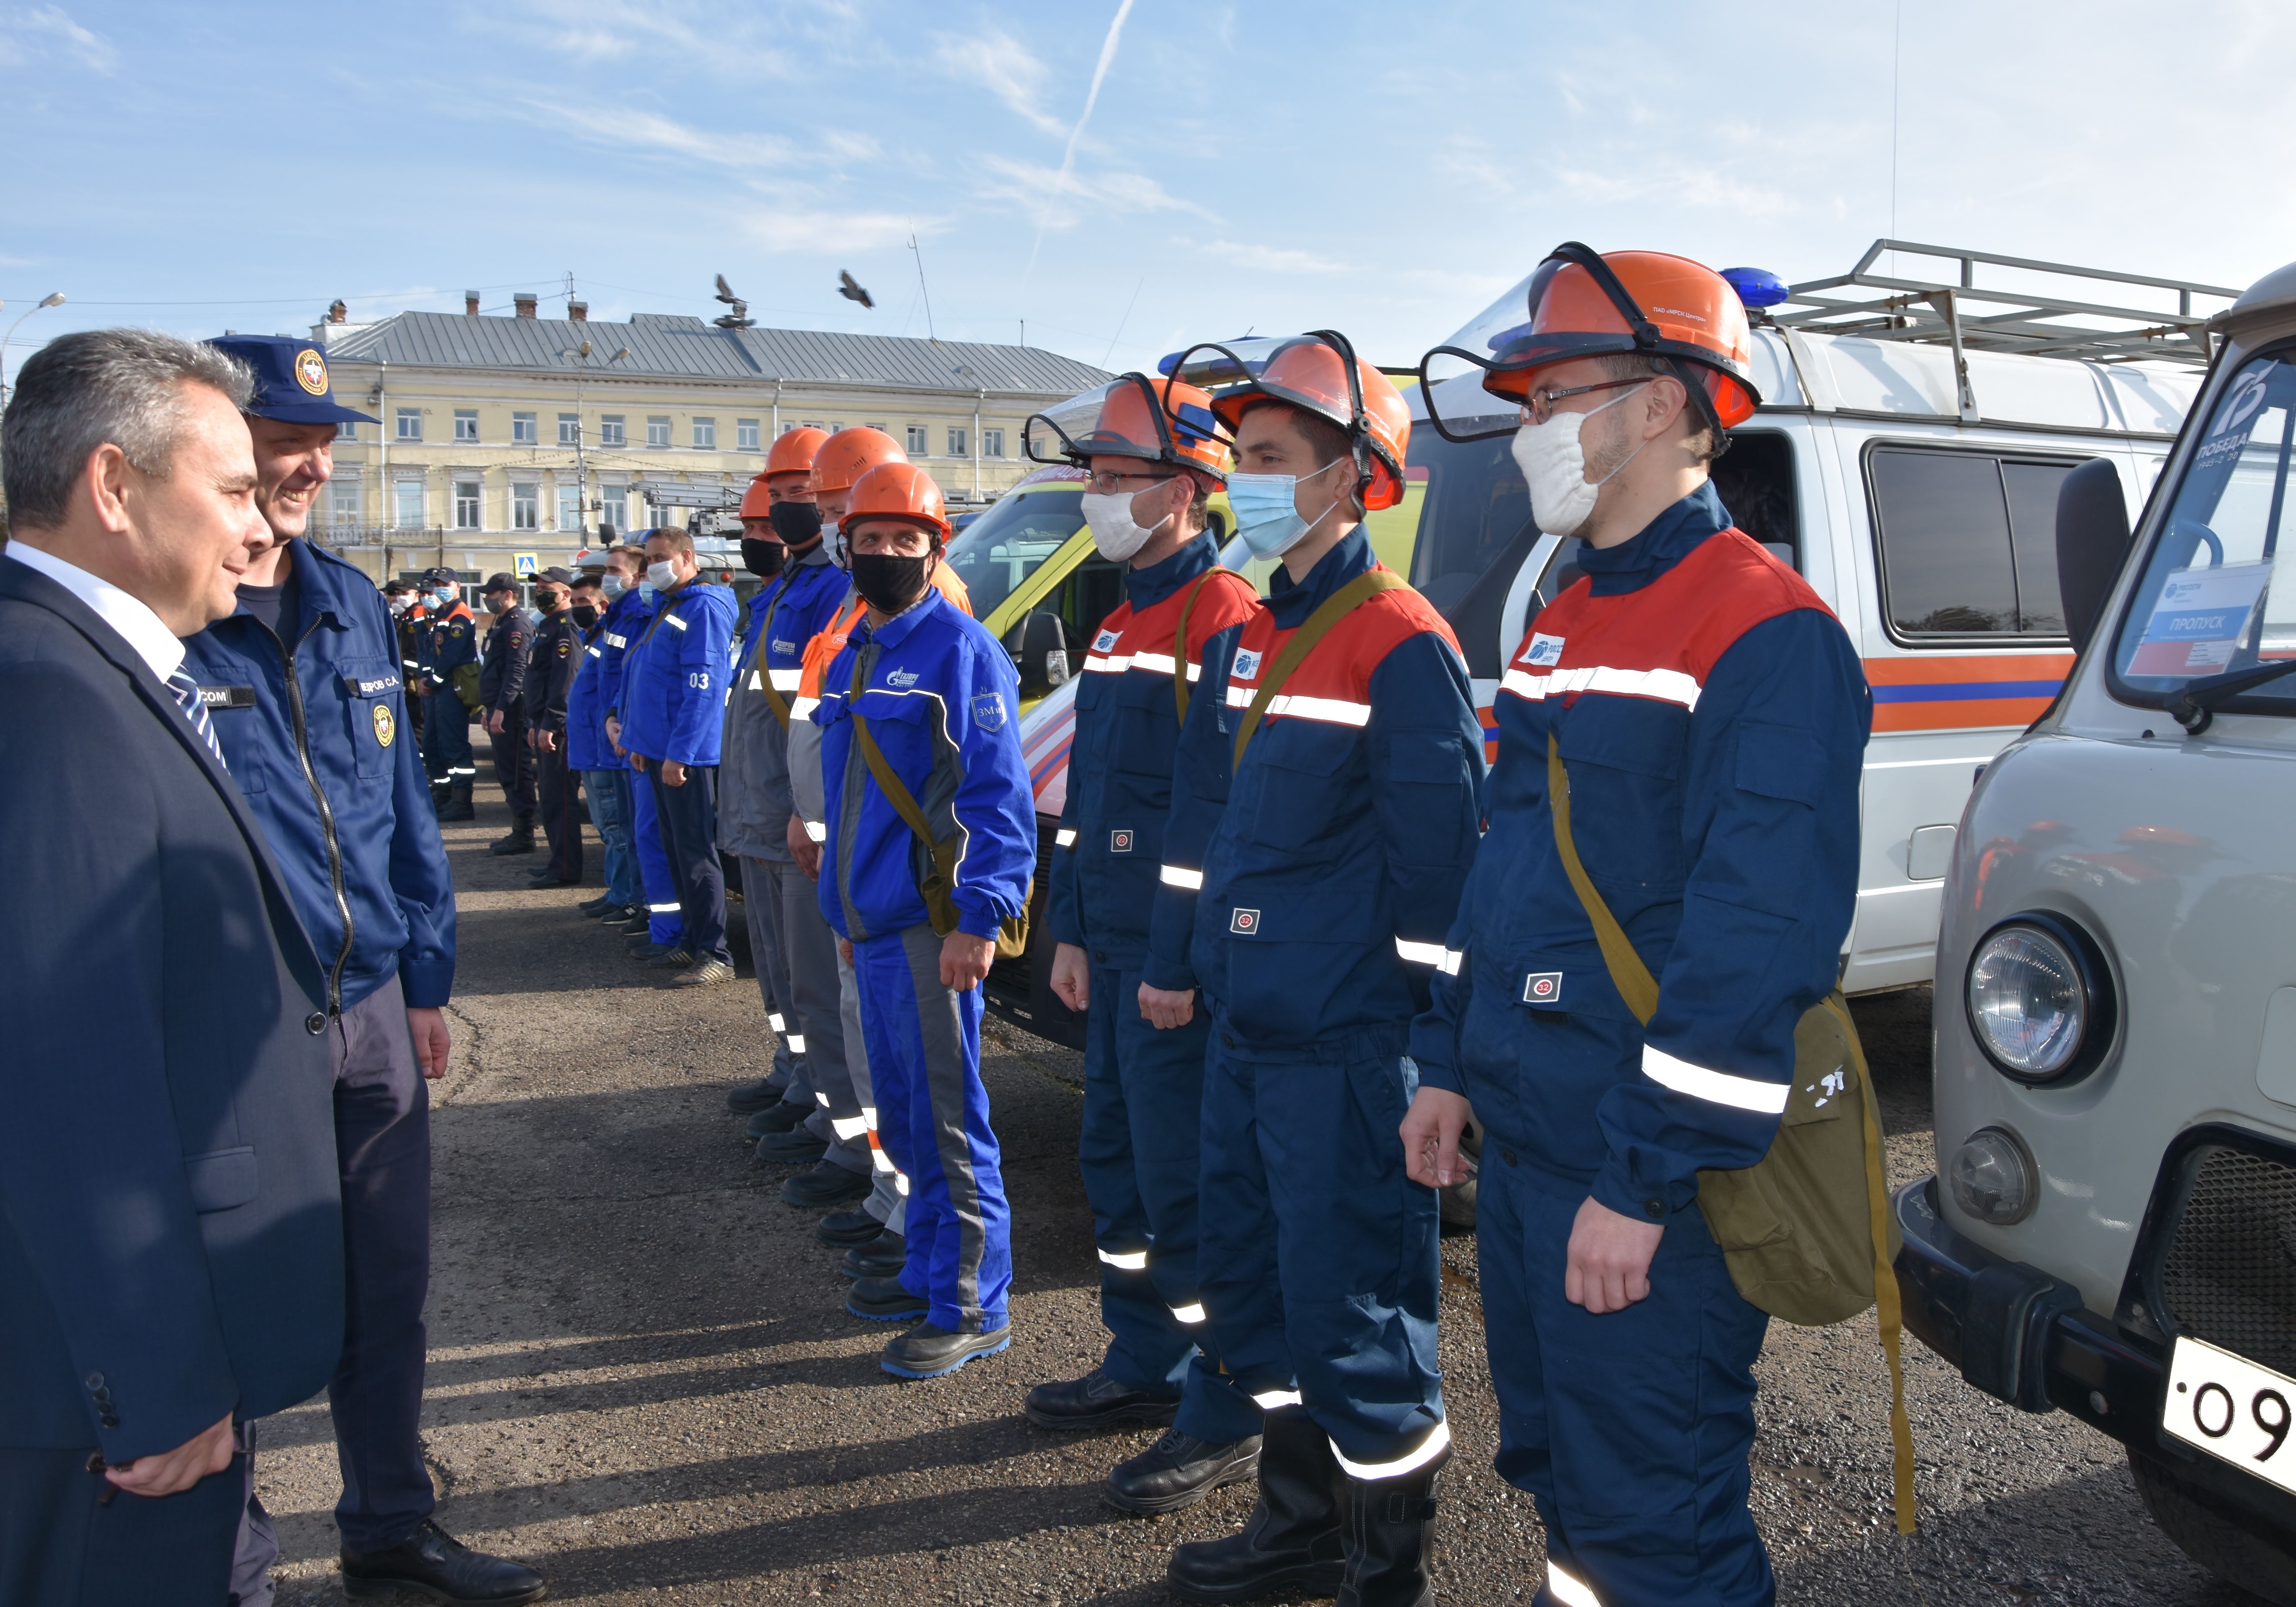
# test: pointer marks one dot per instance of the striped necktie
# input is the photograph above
(186, 692)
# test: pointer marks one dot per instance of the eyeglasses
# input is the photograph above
(1539, 407)
(1108, 484)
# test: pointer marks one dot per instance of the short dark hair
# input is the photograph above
(589, 580)
(1697, 436)
(97, 386)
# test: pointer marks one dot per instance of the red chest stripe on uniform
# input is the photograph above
(1143, 640)
(1966, 691)
(1661, 642)
(1334, 683)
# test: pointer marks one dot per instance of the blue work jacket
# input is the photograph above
(941, 699)
(1308, 891)
(1711, 716)
(597, 686)
(673, 696)
(1110, 840)
(319, 745)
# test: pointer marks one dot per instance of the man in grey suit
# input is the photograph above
(171, 1234)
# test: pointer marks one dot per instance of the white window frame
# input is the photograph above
(469, 416)
(705, 424)
(570, 429)
(959, 440)
(657, 429)
(346, 430)
(346, 500)
(410, 416)
(920, 438)
(613, 430)
(748, 436)
(568, 491)
(477, 501)
(525, 504)
(526, 429)
(398, 509)
(616, 510)
(992, 441)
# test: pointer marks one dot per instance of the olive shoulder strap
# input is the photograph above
(1180, 639)
(1328, 614)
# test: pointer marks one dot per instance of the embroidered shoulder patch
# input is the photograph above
(1544, 649)
(988, 711)
(1247, 665)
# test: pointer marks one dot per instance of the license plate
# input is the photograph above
(2230, 1407)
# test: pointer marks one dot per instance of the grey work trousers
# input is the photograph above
(811, 950)
(888, 1201)
(761, 905)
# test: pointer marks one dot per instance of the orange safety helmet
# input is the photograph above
(1317, 373)
(902, 491)
(755, 502)
(840, 459)
(1125, 418)
(794, 451)
(1649, 304)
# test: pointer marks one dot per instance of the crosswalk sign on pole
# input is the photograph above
(525, 563)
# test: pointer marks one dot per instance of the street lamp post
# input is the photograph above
(53, 298)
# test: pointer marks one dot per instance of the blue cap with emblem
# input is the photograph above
(290, 381)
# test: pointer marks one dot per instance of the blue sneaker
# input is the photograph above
(929, 1350)
(885, 1300)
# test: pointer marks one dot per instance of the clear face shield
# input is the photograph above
(1129, 418)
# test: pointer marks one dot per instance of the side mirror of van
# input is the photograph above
(2092, 541)
(1041, 655)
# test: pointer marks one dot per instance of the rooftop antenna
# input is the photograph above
(920, 285)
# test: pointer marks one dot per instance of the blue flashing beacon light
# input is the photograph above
(1757, 287)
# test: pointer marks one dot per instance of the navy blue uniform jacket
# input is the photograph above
(1712, 716)
(354, 836)
(597, 686)
(169, 1229)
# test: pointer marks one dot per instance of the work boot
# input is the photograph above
(750, 1098)
(437, 796)
(1388, 1543)
(433, 1563)
(703, 973)
(848, 1230)
(1179, 1469)
(597, 908)
(883, 1257)
(520, 839)
(458, 806)
(1095, 1401)
(885, 1300)
(825, 1184)
(783, 1116)
(1294, 1536)
(795, 1147)
(930, 1351)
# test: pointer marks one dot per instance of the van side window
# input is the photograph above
(1967, 541)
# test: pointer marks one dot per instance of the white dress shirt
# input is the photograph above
(126, 613)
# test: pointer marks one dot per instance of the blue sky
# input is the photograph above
(1384, 169)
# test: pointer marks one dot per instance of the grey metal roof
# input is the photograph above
(685, 347)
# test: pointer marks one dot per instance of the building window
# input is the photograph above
(705, 434)
(569, 507)
(466, 505)
(992, 443)
(616, 510)
(917, 447)
(343, 502)
(612, 430)
(570, 429)
(745, 435)
(346, 430)
(407, 504)
(814, 424)
(958, 447)
(466, 423)
(1968, 541)
(525, 507)
(410, 424)
(658, 430)
(835, 425)
(523, 429)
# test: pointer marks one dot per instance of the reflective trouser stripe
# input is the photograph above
(847, 1127)
(1420, 954)
(774, 1021)
(1189, 1315)
(797, 1043)
(1130, 1260)
(1064, 838)
(1449, 963)
(881, 1161)
(1717, 1087)
(1270, 1399)
(1174, 875)
(1438, 1439)
(661, 909)
(1568, 1590)
(784, 680)
(901, 1182)
(821, 1098)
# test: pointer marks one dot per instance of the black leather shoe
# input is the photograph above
(783, 1116)
(1294, 1538)
(1388, 1539)
(629, 920)
(751, 1097)
(796, 1147)
(848, 1230)
(825, 1184)
(1095, 1401)
(883, 1257)
(433, 1562)
(596, 908)
(520, 840)
(1179, 1469)
(930, 1351)
(885, 1300)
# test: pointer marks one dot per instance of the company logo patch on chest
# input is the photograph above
(784, 646)
(1245, 921)
(902, 678)
(1543, 988)
(1119, 842)
(1247, 666)
(988, 711)
(1103, 641)
(1544, 651)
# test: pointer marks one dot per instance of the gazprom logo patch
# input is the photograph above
(902, 678)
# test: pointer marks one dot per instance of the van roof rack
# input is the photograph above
(1938, 311)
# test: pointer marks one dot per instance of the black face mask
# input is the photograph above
(763, 559)
(798, 523)
(887, 581)
(585, 615)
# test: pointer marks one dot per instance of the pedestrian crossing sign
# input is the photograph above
(525, 563)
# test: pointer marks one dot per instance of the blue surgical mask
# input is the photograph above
(645, 592)
(613, 585)
(445, 596)
(1267, 510)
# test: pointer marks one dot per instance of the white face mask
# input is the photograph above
(1553, 464)
(1113, 530)
(661, 576)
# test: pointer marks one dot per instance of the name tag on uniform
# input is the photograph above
(226, 697)
(371, 686)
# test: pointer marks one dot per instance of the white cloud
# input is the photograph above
(1058, 200)
(1269, 259)
(798, 229)
(1006, 67)
(34, 30)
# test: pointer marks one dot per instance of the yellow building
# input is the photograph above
(509, 437)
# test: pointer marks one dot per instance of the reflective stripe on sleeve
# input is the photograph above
(785, 680)
(1568, 1591)
(1174, 875)
(614, 641)
(1268, 1400)
(1130, 1260)
(1190, 1314)
(815, 831)
(1449, 963)
(1333, 711)
(594, 652)
(1666, 685)
(1420, 954)
(1438, 1439)
(848, 1128)
(674, 620)
(1720, 1087)
(1064, 838)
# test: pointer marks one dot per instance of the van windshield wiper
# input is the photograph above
(2197, 708)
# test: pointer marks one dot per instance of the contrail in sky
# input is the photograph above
(1091, 96)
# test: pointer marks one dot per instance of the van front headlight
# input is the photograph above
(2040, 999)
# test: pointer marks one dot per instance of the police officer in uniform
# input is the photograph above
(408, 616)
(502, 704)
(449, 664)
(549, 677)
(308, 706)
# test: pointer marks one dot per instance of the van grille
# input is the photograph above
(2229, 1276)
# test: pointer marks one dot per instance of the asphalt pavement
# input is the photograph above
(642, 1380)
